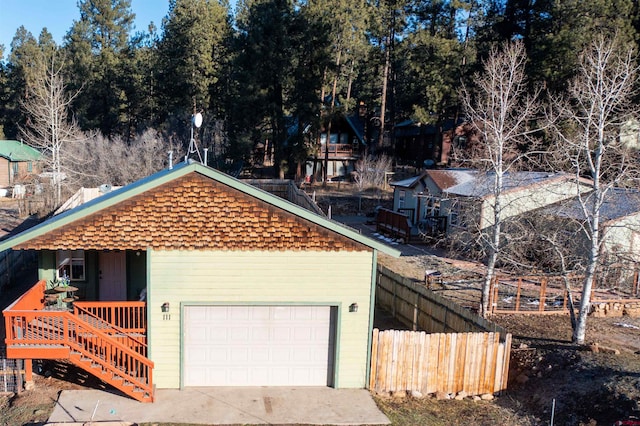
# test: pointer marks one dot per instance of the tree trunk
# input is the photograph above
(383, 101)
(585, 301)
(494, 244)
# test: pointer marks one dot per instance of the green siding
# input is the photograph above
(46, 265)
(333, 278)
(136, 273)
(87, 289)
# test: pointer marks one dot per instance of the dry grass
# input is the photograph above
(429, 411)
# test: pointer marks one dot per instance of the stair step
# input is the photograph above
(114, 375)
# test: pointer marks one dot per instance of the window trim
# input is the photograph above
(69, 260)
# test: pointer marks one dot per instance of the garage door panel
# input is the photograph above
(258, 345)
(281, 334)
(198, 355)
(216, 355)
(197, 334)
(258, 312)
(280, 313)
(259, 334)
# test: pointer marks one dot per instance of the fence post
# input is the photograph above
(415, 312)
(393, 300)
(4, 376)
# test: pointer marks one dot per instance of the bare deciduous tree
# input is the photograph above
(370, 172)
(49, 128)
(597, 104)
(117, 162)
(501, 110)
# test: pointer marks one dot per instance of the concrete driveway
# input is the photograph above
(224, 406)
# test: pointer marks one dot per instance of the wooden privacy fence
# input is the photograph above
(410, 361)
(418, 307)
(287, 190)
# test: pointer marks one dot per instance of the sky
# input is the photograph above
(58, 16)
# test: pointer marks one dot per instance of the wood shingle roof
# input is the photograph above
(191, 207)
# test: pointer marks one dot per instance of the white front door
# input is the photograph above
(112, 275)
(258, 346)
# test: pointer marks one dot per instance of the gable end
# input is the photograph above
(192, 212)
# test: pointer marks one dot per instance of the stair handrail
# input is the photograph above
(112, 326)
(66, 336)
(73, 343)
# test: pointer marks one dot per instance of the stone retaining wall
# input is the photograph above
(615, 309)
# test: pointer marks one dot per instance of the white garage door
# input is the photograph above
(258, 346)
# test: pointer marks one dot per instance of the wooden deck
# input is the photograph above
(107, 339)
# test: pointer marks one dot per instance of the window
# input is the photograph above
(30, 167)
(70, 264)
(455, 214)
(401, 195)
(432, 207)
(16, 168)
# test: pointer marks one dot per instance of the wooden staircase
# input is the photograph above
(108, 352)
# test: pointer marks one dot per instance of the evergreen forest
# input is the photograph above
(276, 71)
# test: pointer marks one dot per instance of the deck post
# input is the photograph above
(28, 374)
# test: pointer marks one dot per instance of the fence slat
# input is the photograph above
(374, 355)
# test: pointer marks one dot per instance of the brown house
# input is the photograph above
(17, 161)
(339, 151)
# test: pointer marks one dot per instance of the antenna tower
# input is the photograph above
(196, 122)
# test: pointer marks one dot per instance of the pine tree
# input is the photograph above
(432, 62)
(192, 55)
(264, 75)
(19, 70)
(96, 46)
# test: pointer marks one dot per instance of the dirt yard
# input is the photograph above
(587, 387)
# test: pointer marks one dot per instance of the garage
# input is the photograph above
(259, 345)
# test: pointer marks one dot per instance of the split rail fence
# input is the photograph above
(548, 294)
(457, 351)
(411, 361)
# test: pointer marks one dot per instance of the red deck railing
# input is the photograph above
(108, 353)
(128, 316)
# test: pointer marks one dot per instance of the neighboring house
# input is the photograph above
(453, 200)
(429, 146)
(469, 205)
(619, 219)
(419, 197)
(422, 145)
(339, 151)
(17, 161)
(241, 288)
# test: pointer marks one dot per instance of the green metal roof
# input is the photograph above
(18, 151)
(178, 171)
